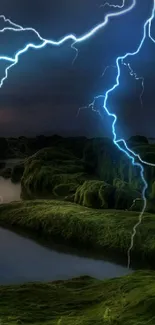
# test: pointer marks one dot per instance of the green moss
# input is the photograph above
(81, 226)
(52, 167)
(98, 194)
(127, 300)
(94, 194)
(51, 170)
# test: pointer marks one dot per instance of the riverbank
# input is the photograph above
(23, 260)
(84, 301)
(80, 226)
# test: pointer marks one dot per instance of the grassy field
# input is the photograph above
(81, 226)
(129, 300)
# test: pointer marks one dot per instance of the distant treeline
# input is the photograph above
(24, 146)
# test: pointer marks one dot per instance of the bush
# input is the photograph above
(95, 194)
(57, 171)
(52, 171)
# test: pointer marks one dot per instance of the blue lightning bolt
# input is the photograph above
(107, 4)
(92, 105)
(108, 67)
(120, 143)
(131, 155)
(6, 20)
(44, 42)
(132, 73)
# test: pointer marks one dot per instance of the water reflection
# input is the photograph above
(8, 191)
(24, 260)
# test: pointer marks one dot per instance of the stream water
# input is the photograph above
(23, 259)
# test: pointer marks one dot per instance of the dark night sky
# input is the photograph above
(44, 91)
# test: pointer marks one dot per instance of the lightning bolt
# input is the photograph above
(44, 42)
(92, 105)
(113, 6)
(134, 74)
(108, 67)
(6, 20)
(120, 143)
(131, 155)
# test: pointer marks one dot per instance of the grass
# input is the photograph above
(127, 300)
(81, 226)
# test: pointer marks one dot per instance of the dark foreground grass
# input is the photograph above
(81, 226)
(129, 300)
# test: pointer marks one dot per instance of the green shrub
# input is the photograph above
(95, 194)
(95, 178)
(49, 172)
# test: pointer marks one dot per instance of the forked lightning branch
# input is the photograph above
(120, 9)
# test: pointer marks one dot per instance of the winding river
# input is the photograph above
(23, 259)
